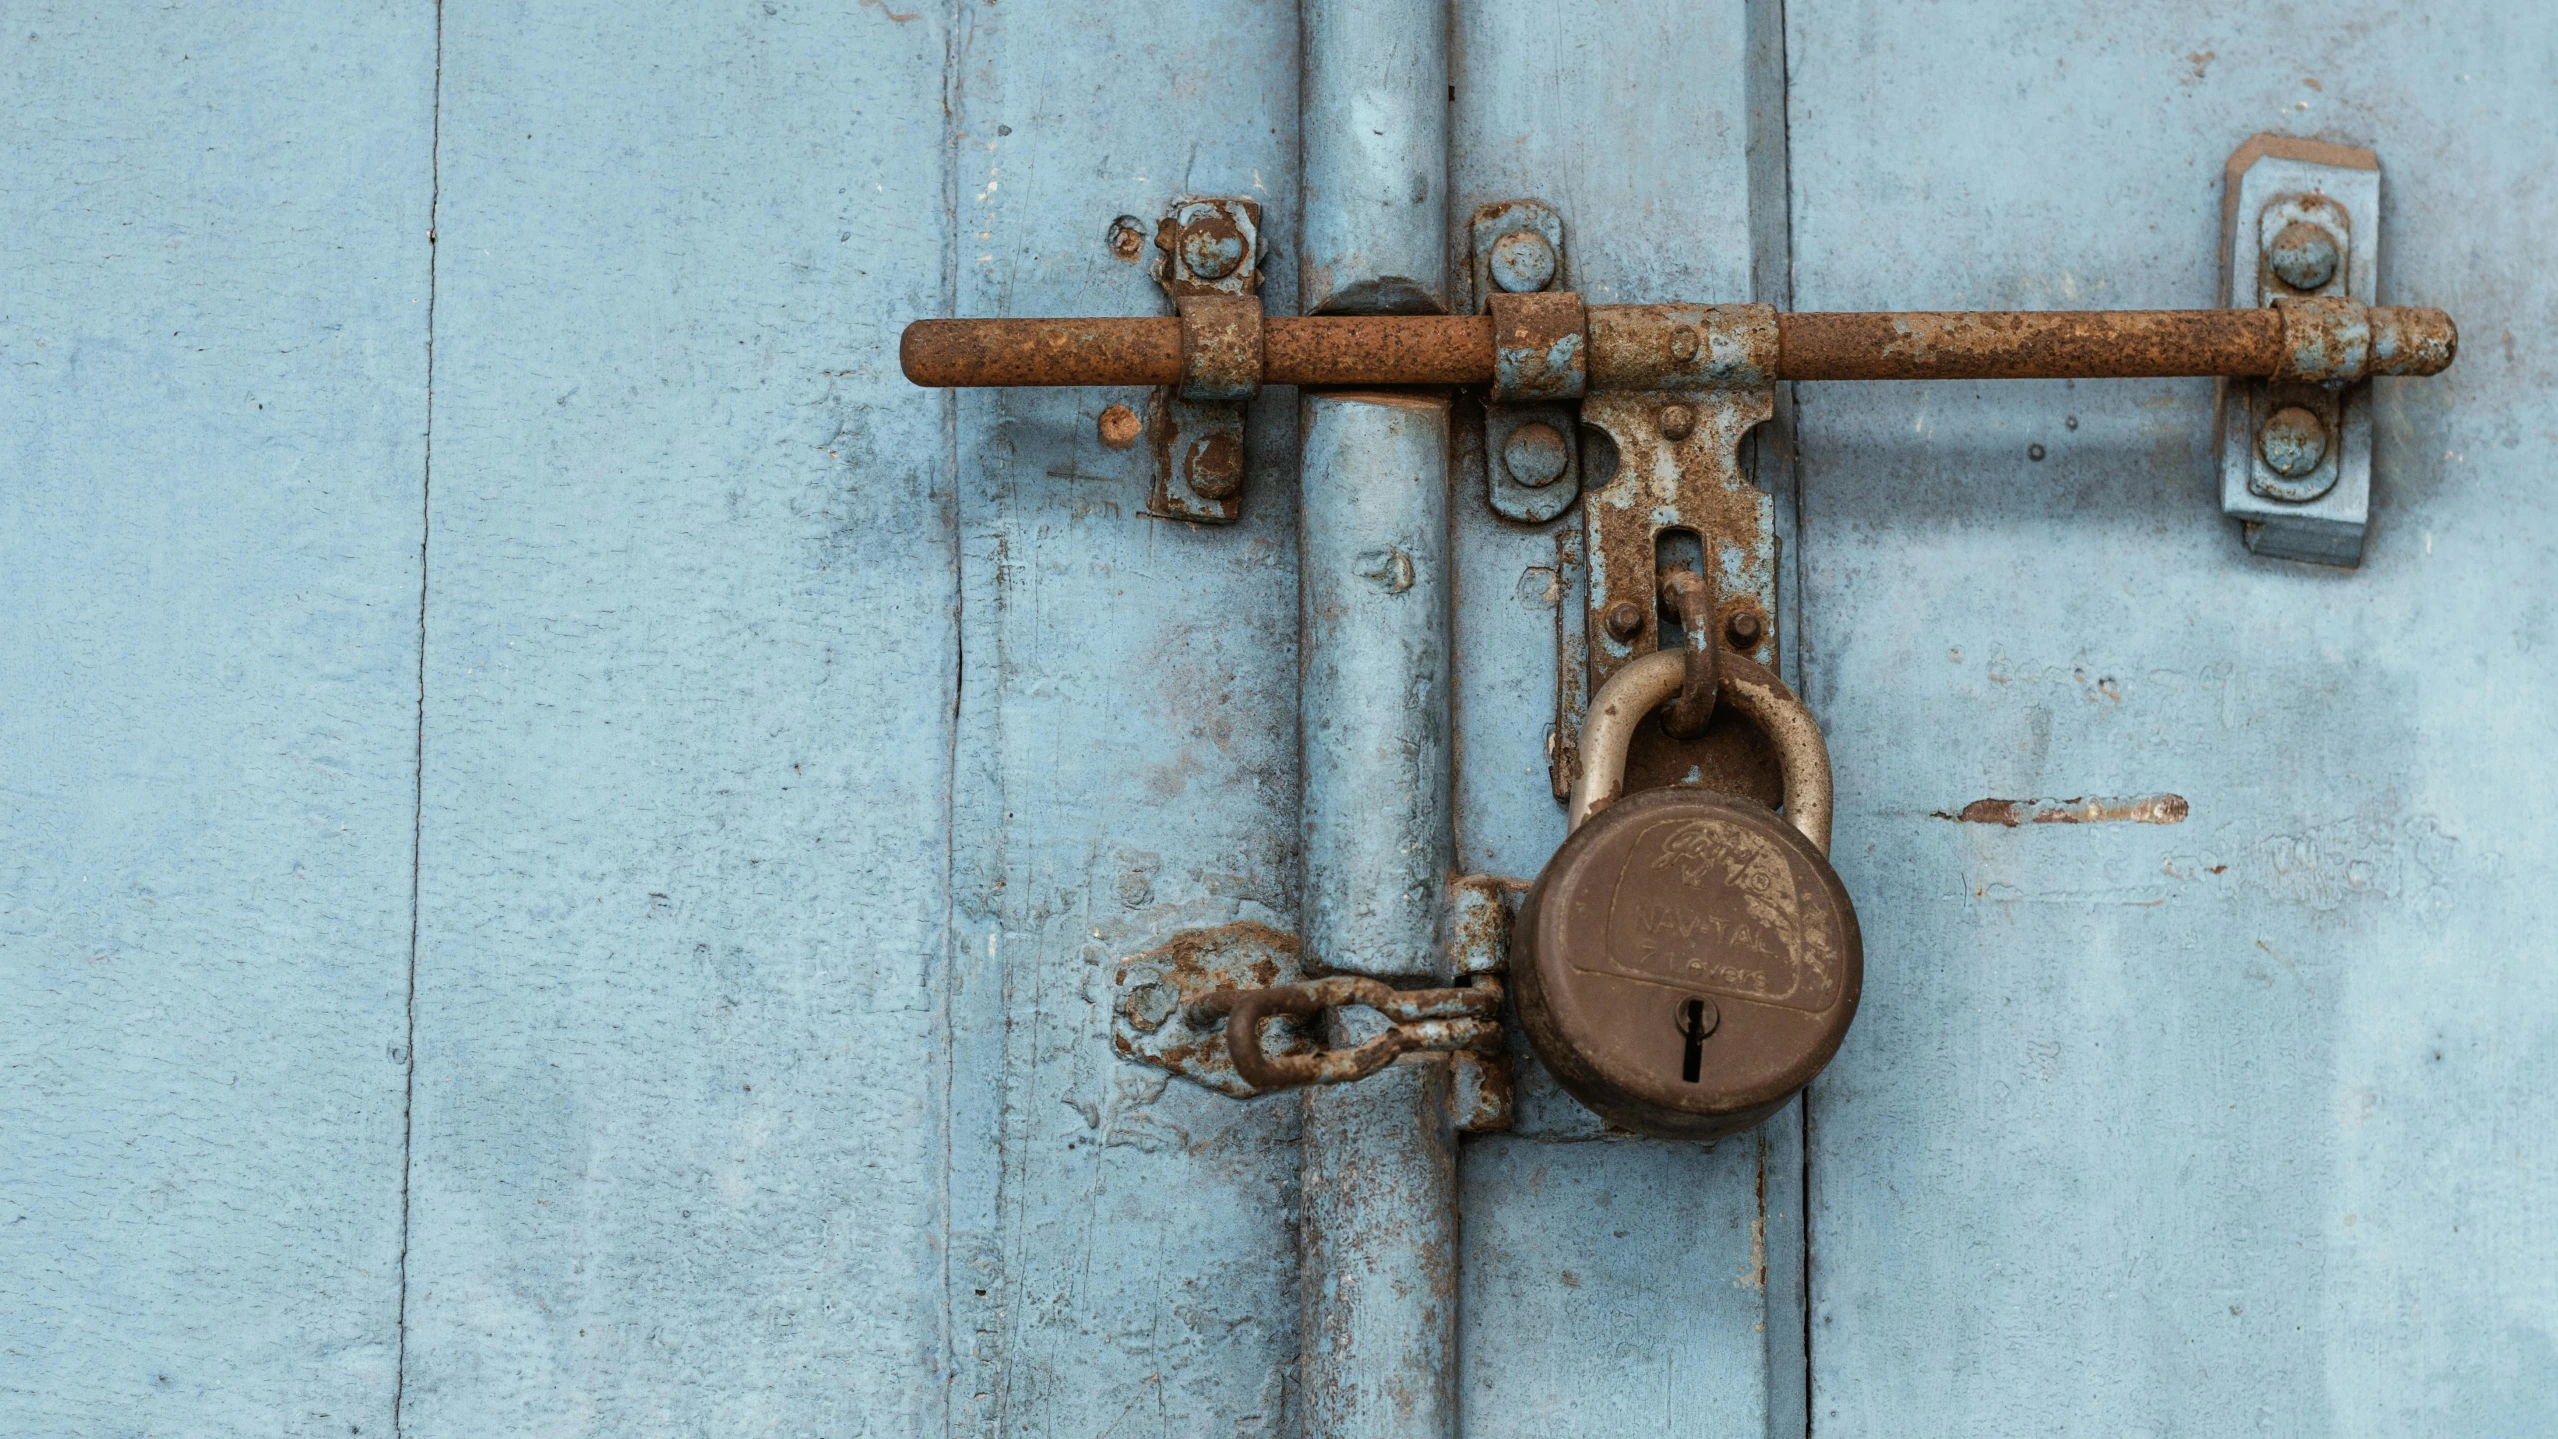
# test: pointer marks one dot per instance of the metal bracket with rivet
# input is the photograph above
(1531, 438)
(2302, 239)
(1208, 259)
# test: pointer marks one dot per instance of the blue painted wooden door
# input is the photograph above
(565, 829)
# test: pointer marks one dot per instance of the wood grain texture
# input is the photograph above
(2239, 1124)
(691, 660)
(1123, 1254)
(211, 417)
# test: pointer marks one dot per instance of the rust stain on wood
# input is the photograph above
(2133, 809)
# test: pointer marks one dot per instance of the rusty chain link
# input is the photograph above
(1424, 1019)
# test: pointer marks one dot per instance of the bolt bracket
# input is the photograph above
(1208, 259)
(1540, 359)
(1677, 496)
(2302, 234)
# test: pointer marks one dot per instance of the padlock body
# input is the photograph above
(1686, 932)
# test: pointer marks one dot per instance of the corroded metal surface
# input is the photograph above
(1466, 1018)
(1539, 346)
(1157, 1016)
(1143, 351)
(1378, 350)
(1208, 259)
(1690, 596)
(2027, 345)
(1198, 450)
(2135, 809)
(1678, 480)
(1667, 347)
(1682, 347)
(1478, 922)
(1220, 347)
(1209, 245)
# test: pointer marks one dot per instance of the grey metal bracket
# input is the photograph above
(1208, 259)
(2302, 221)
(1531, 447)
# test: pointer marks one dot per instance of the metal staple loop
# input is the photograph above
(1425, 1019)
(1690, 597)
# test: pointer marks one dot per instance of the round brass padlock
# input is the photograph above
(1687, 961)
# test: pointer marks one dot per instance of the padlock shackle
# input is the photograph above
(1652, 681)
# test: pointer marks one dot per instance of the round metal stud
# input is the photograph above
(1522, 262)
(2303, 256)
(2293, 442)
(1214, 467)
(1535, 455)
(1211, 247)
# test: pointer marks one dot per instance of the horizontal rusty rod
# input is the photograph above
(1309, 350)
(1458, 349)
(2028, 344)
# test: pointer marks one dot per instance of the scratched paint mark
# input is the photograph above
(2136, 809)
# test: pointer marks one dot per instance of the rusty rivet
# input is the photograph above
(1743, 629)
(1522, 262)
(1535, 455)
(1683, 345)
(1119, 427)
(2293, 441)
(1127, 237)
(1625, 620)
(1211, 247)
(1214, 467)
(1677, 422)
(2303, 255)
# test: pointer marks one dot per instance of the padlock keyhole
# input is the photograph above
(1693, 1025)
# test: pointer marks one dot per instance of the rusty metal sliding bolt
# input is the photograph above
(1424, 1019)
(2330, 341)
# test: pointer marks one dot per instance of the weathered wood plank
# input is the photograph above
(690, 676)
(1616, 1288)
(2239, 1124)
(211, 418)
(1123, 1253)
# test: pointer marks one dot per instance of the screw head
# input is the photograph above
(1677, 422)
(2303, 255)
(1522, 262)
(1625, 619)
(1683, 344)
(2293, 441)
(1744, 629)
(1214, 467)
(1211, 247)
(1535, 455)
(1119, 427)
